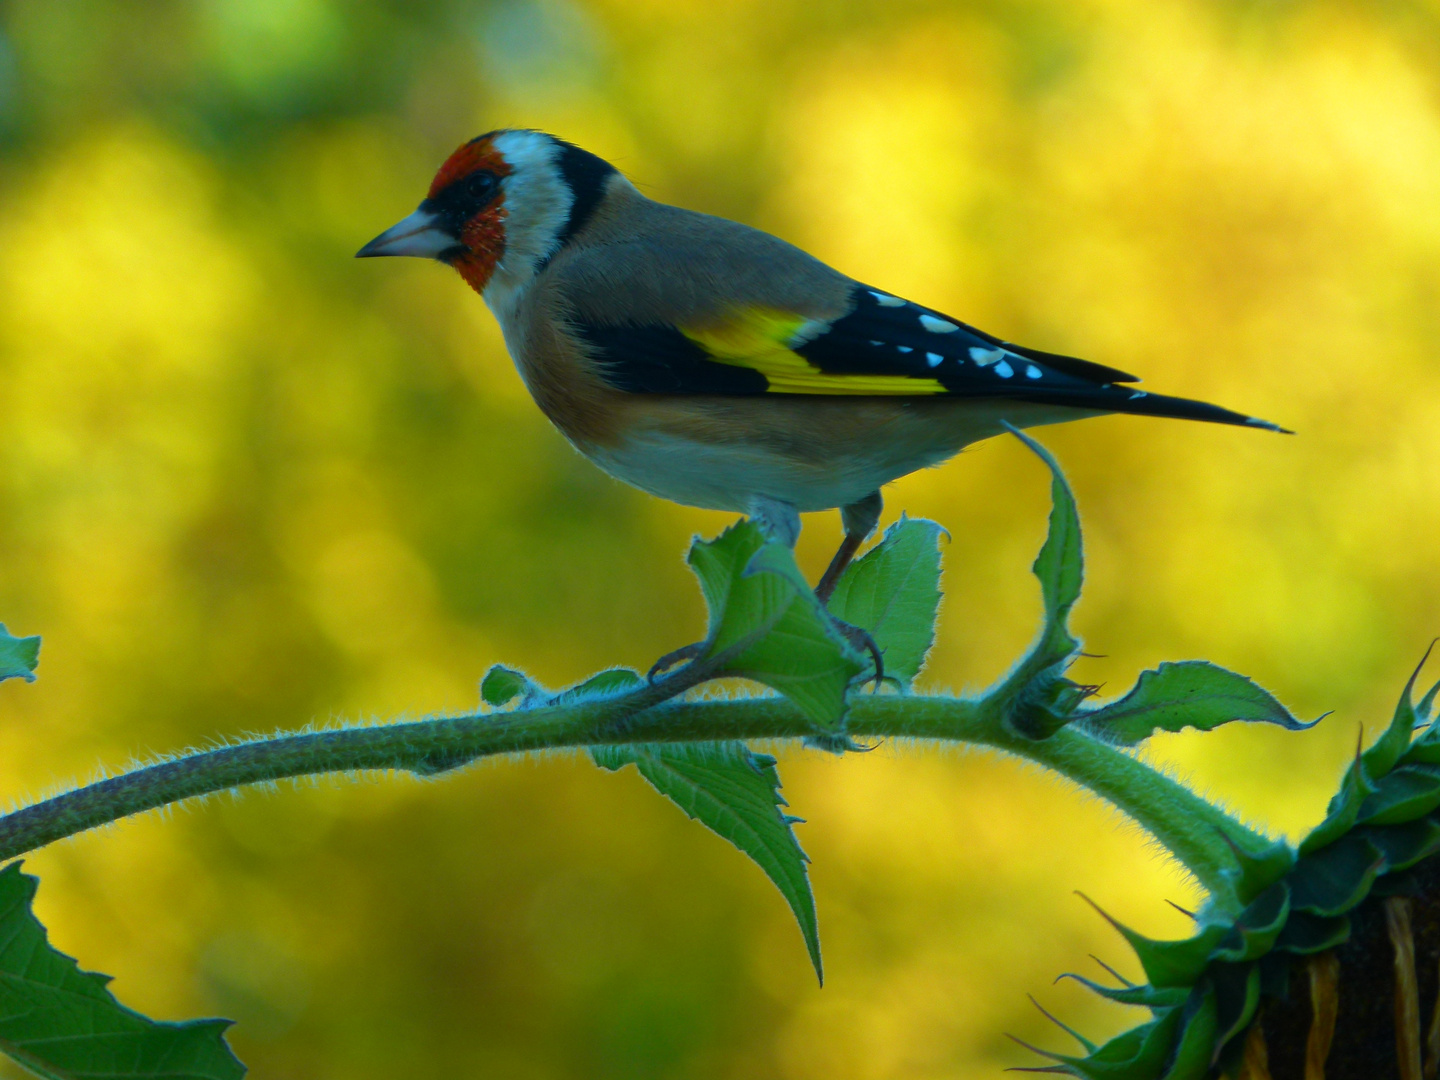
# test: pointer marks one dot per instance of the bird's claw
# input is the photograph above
(856, 636)
(675, 656)
(836, 744)
(861, 640)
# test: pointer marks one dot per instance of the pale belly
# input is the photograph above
(721, 477)
(811, 458)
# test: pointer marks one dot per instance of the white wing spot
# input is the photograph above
(1138, 394)
(933, 358)
(904, 348)
(877, 344)
(1004, 370)
(1032, 372)
(885, 300)
(937, 326)
(985, 357)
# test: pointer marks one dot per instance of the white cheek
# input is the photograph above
(537, 202)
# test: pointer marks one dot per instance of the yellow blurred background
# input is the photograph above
(247, 482)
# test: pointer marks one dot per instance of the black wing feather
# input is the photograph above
(886, 335)
(662, 360)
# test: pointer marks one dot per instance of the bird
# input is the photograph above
(715, 365)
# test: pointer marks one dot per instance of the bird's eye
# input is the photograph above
(480, 185)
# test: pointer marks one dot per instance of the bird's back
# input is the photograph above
(643, 262)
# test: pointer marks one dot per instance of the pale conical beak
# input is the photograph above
(419, 234)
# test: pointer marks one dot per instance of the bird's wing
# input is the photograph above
(648, 316)
(883, 346)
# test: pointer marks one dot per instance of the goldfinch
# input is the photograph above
(718, 366)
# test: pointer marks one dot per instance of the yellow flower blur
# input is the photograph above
(249, 483)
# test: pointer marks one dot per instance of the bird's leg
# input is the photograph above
(780, 519)
(859, 519)
(825, 588)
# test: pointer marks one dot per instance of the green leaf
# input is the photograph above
(502, 685)
(736, 793)
(1040, 700)
(603, 684)
(1190, 693)
(765, 619)
(18, 656)
(893, 591)
(61, 1023)
(1060, 566)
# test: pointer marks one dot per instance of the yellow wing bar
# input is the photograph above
(763, 339)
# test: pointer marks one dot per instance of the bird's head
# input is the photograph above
(500, 208)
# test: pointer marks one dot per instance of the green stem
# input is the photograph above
(1192, 829)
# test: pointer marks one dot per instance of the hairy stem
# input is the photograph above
(1193, 830)
(1184, 823)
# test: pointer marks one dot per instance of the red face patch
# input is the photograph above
(476, 154)
(483, 234)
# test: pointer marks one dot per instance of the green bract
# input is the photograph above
(1383, 821)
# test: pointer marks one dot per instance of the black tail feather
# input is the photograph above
(1122, 399)
(1073, 365)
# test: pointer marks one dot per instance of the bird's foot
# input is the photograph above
(837, 744)
(857, 637)
(676, 656)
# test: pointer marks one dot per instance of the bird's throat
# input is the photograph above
(476, 268)
(484, 241)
